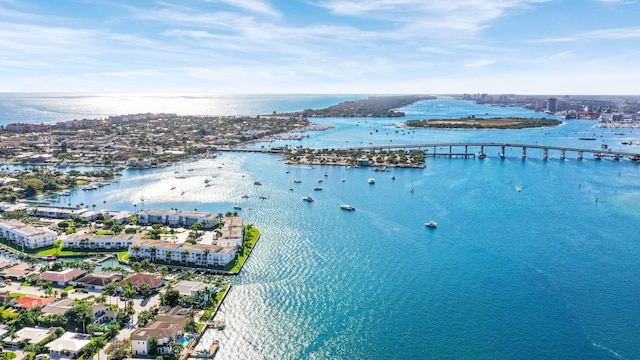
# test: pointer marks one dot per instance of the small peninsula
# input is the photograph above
(472, 122)
(373, 106)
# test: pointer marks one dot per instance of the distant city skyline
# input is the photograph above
(549, 47)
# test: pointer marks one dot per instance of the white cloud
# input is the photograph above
(257, 6)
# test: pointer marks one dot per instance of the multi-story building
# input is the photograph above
(26, 235)
(102, 242)
(232, 232)
(195, 254)
(177, 218)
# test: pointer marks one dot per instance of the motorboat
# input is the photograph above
(371, 181)
(317, 188)
(308, 198)
(347, 207)
(431, 224)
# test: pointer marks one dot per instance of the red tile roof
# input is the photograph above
(29, 302)
(137, 279)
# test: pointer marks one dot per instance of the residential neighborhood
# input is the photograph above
(74, 287)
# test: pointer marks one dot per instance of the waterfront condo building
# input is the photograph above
(185, 253)
(26, 235)
(177, 218)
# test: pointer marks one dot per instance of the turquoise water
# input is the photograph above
(185, 340)
(546, 272)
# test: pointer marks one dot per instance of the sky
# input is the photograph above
(321, 46)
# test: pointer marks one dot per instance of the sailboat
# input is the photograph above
(297, 178)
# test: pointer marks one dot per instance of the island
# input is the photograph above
(374, 106)
(471, 122)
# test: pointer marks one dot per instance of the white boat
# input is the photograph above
(320, 180)
(297, 181)
(173, 187)
(518, 188)
(347, 207)
(181, 176)
(308, 198)
(431, 224)
(371, 181)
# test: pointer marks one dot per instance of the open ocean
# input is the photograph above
(549, 272)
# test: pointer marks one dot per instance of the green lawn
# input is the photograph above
(253, 234)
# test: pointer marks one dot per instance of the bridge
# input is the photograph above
(466, 150)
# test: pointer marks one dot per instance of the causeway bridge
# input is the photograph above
(472, 150)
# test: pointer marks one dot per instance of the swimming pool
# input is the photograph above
(185, 340)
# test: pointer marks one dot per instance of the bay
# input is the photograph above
(546, 272)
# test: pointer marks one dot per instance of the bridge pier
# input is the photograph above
(524, 153)
(502, 151)
(579, 155)
(450, 152)
(562, 154)
(482, 155)
(545, 154)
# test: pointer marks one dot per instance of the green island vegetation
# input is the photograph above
(352, 157)
(471, 122)
(374, 106)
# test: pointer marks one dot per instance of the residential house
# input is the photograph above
(30, 335)
(61, 278)
(17, 272)
(70, 344)
(30, 301)
(196, 288)
(163, 332)
(62, 306)
(136, 280)
(98, 281)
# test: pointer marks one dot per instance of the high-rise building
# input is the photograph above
(551, 105)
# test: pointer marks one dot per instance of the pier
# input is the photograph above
(472, 150)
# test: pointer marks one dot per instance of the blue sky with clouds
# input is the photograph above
(321, 46)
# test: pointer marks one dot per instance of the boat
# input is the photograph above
(431, 224)
(262, 197)
(297, 181)
(237, 207)
(393, 177)
(206, 181)
(308, 198)
(347, 207)
(371, 181)
(518, 188)
(604, 146)
(325, 174)
(317, 188)
(586, 138)
(173, 188)
(181, 176)
(343, 179)
(245, 196)
(290, 189)
(182, 193)
(320, 180)
(257, 182)
(49, 257)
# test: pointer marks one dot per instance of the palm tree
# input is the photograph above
(136, 250)
(167, 255)
(185, 254)
(153, 251)
(206, 256)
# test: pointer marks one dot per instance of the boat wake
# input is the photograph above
(615, 354)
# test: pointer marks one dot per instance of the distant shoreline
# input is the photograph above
(473, 123)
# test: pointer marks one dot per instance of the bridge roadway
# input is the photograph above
(598, 153)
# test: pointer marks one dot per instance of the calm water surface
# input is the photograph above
(547, 272)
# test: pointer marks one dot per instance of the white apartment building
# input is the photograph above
(177, 218)
(198, 254)
(26, 235)
(232, 232)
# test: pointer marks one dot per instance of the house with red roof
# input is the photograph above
(136, 280)
(61, 278)
(29, 302)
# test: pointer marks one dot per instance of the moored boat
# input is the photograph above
(371, 181)
(308, 198)
(347, 207)
(431, 224)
